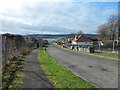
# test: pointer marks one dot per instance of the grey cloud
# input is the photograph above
(55, 17)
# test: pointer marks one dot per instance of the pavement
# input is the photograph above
(34, 75)
(99, 71)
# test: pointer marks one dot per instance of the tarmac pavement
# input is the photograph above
(34, 75)
(99, 71)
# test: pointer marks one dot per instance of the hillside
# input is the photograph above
(57, 35)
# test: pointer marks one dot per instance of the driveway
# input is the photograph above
(99, 71)
(34, 75)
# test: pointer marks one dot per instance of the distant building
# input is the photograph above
(82, 40)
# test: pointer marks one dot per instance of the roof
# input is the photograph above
(81, 38)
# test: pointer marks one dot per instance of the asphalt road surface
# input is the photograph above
(99, 71)
(34, 75)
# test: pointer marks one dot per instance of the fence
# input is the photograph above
(106, 46)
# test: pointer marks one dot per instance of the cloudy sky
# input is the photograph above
(54, 16)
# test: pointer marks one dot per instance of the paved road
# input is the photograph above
(99, 71)
(34, 75)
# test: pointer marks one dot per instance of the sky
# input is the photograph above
(54, 16)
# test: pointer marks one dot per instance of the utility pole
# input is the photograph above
(113, 42)
(99, 46)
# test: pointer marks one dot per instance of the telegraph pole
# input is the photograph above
(99, 46)
(113, 43)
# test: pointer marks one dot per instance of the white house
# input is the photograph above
(82, 40)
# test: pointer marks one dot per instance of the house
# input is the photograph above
(82, 41)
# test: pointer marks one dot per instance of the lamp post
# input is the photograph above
(113, 44)
(99, 46)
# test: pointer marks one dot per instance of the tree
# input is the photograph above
(109, 30)
(103, 31)
(113, 26)
(113, 22)
(72, 35)
(80, 32)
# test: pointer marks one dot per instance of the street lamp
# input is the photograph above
(113, 44)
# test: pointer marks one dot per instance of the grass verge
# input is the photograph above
(115, 56)
(107, 55)
(58, 75)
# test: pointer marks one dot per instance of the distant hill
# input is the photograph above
(52, 35)
(49, 35)
(57, 35)
(91, 35)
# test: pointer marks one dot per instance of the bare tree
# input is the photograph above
(72, 35)
(103, 31)
(113, 26)
(109, 30)
(80, 32)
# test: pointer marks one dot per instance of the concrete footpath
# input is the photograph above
(34, 75)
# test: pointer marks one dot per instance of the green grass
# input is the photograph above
(58, 75)
(107, 55)
(114, 56)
